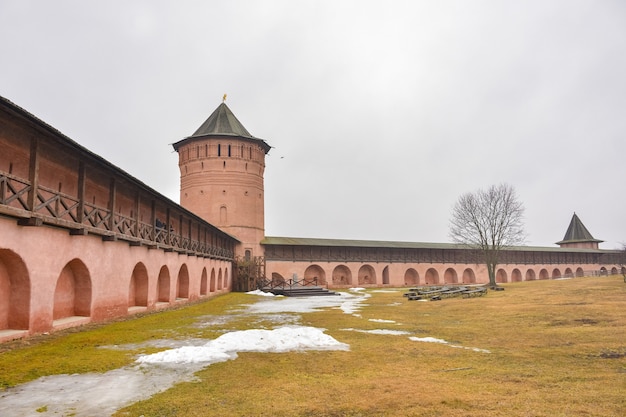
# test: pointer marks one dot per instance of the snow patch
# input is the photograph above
(435, 340)
(428, 340)
(225, 347)
(261, 293)
(349, 303)
(91, 394)
(379, 331)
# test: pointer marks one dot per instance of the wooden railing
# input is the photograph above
(54, 207)
(267, 284)
(13, 191)
(96, 217)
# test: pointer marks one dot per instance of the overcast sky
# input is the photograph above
(381, 114)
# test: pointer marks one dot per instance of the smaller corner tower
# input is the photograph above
(221, 178)
(577, 236)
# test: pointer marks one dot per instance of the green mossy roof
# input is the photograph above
(577, 233)
(222, 122)
(301, 241)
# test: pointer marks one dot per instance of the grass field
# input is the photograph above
(539, 348)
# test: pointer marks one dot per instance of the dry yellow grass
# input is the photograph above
(557, 348)
(551, 344)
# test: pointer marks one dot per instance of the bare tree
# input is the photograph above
(488, 221)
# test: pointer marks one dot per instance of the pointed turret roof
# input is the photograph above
(577, 233)
(222, 122)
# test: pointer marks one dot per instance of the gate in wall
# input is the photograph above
(248, 273)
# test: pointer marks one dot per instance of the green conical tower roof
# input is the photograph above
(222, 122)
(577, 233)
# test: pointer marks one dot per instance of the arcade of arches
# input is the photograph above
(344, 263)
(73, 288)
(364, 274)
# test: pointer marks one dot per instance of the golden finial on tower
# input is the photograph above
(224, 98)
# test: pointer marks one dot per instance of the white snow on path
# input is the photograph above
(348, 303)
(283, 339)
(91, 394)
(379, 331)
(262, 293)
(428, 340)
(444, 342)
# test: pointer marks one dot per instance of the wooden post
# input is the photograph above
(33, 177)
(180, 230)
(153, 235)
(33, 173)
(3, 189)
(112, 187)
(168, 226)
(189, 233)
(82, 173)
(80, 209)
(137, 217)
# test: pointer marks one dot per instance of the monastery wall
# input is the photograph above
(82, 241)
(50, 279)
(401, 274)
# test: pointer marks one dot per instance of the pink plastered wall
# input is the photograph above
(48, 275)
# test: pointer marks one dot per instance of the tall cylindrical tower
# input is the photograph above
(221, 178)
